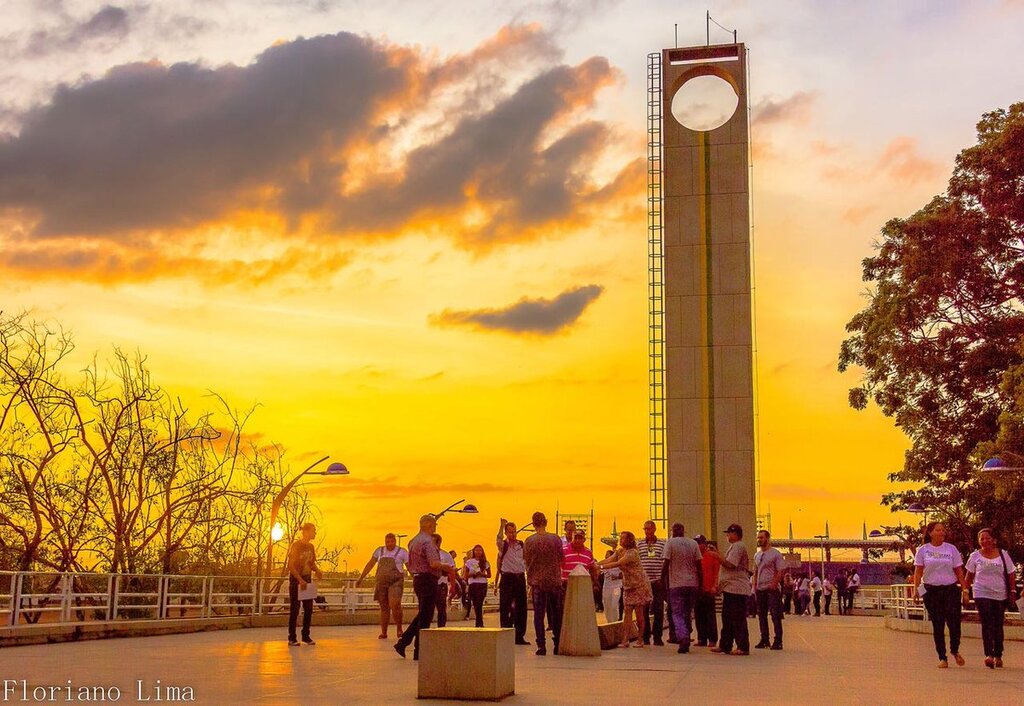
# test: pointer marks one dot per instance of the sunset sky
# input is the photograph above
(415, 233)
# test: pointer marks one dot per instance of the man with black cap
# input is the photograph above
(704, 609)
(734, 583)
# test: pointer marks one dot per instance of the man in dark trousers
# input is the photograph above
(511, 583)
(769, 571)
(426, 567)
(543, 555)
(301, 567)
(652, 550)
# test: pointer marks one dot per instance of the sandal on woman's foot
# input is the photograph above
(623, 644)
(999, 662)
(990, 663)
(960, 661)
(399, 634)
(382, 636)
(943, 664)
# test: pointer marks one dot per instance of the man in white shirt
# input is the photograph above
(851, 590)
(510, 581)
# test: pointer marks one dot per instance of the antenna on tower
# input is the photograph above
(708, 19)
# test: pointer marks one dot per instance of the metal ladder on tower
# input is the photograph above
(656, 291)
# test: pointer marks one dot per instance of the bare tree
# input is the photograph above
(37, 429)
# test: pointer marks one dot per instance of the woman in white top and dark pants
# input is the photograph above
(991, 571)
(477, 571)
(939, 577)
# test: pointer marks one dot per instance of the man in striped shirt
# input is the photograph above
(652, 552)
(577, 554)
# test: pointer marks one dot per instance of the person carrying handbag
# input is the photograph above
(990, 571)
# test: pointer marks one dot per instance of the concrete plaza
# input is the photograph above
(827, 660)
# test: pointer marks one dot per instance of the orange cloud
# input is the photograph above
(160, 259)
(901, 161)
(855, 215)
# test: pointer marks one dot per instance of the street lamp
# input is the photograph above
(919, 509)
(822, 537)
(467, 509)
(276, 531)
(996, 464)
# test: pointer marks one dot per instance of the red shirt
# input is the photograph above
(709, 569)
(573, 558)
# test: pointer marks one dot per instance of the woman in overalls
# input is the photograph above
(390, 561)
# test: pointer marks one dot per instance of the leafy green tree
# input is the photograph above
(940, 340)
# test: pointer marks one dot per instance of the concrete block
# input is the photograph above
(467, 663)
(611, 634)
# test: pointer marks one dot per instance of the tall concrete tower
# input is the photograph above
(701, 294)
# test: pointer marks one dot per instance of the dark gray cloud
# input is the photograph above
(109, 24)
(527, 316)
(151, 146)
(500, 158)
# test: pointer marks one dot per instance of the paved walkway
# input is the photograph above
(830, 660)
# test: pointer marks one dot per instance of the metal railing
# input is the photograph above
(42, 598)
(903, 602)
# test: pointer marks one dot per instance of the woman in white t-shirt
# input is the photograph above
(390, 561)
(939, 578)
(991, 571)
(476, 572)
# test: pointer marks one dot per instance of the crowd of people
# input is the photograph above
(644, 581)
(801, 590)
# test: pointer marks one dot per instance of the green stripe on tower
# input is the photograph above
(705, 156)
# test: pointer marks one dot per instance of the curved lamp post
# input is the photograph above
(276, 531)
(468, 509)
